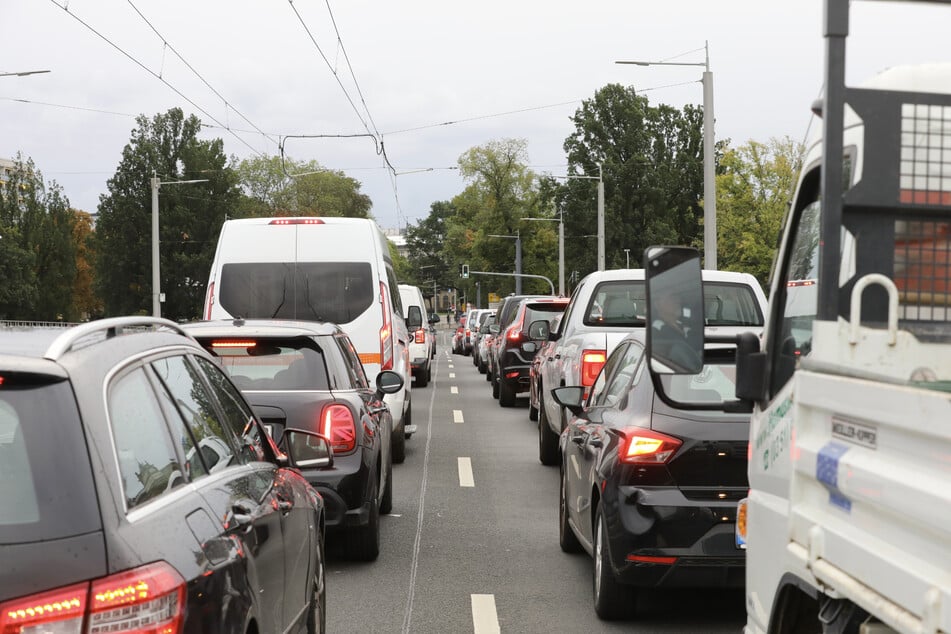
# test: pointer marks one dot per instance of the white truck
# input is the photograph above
(847, 526)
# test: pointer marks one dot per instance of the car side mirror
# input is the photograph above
(494, 329)
(434, 318)
(570, 397)
(388, 382)
(539, 330)
(415, 318)
(307, 450)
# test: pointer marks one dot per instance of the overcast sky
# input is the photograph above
(499, 69)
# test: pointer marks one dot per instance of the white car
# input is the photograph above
(422, 345)
(604, 308)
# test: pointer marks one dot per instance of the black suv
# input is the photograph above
(519, 342)
(134, 468)
(307, 375)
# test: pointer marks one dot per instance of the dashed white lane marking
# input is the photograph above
(457, 416)
(452, 375)
(465, 473)
(453, 390)
(451, 366)
(485, 619)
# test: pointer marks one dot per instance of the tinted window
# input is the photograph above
(34, 503)
(322, 291)
(730, 305)
(148, 462)
(541, 312)
(271, 364)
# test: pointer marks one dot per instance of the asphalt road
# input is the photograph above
(477, 551)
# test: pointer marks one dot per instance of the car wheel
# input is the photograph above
(422, 378)
(363, 542)
(488, 373)
(547, 439)
(429, 373)
(506, 394)
(566, 537)
(612, 600)
(317, 615)
(408, 419)
(495, 387)
(398, 445)
(386, 504)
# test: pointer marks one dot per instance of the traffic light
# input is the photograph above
(465, 270)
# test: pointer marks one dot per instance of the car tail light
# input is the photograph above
(386, 332)
(145, 600)
(420, 336)
(211, 300)
(337, 425)
(591, 363)
(652, 559)
(645, 446)
(233, 343)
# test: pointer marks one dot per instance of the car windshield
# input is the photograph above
(264, 364)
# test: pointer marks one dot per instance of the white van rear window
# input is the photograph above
(337, 292)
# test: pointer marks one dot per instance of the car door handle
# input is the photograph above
(595, 442)
(284, 506)
(578, 439)
(557, 356)
(241, 515)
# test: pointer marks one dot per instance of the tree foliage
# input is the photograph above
(190, 217)
(273, 186)
(650, 159)
(753, 189)
(37, 250)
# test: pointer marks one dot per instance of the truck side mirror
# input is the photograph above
(675, 324)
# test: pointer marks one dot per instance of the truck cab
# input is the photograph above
(847, 525)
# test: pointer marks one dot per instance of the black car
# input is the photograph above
(307, 375)
(139, 490)
(503, 318)
(650, 491)
(519, 342)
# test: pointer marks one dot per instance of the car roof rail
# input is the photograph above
(108, 328)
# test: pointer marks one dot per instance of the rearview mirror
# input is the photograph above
(674, 310)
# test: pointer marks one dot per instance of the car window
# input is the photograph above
(239, 419)
(620, 372)
(620, 303)
(726, 304)
(351, 362)
(186, 394)
(148, 462)
(34, 503)
(271, 364)
(323, 291)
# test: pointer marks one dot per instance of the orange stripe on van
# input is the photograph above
(369, 357)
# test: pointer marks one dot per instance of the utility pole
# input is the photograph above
(600, 217)
(518, 258)
(156, 279)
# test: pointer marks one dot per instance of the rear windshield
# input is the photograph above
(271, 364)
(535, 312)
(46, 486)
(624, 304)
(338, 292)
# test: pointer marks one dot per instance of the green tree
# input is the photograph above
(651, 157)
(425, 241)
(753, 189)
(190, 217)
(276, 187)
(85, 302)
(39, 262)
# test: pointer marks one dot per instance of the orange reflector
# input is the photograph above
(648, 559)
(233, 343)
(369, 357)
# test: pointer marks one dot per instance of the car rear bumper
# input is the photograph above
(344, 488)
(660, 538)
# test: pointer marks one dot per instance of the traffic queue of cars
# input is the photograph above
(648, 485)
(208, 463)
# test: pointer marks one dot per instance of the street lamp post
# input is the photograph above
(518, 258)
(600, 179)
(561, 248)
(156, 280)
(709, 180)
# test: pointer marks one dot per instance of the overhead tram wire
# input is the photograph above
(197, 74)
(154, 74)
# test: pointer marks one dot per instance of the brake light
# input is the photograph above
(233, 343)
(386, 333)
(652, 559)
(645, 446)
(145, 600)
(337, 425)
(296, 221)
(591, 363)
(739, 531)
(211, 300)
(420, 336)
